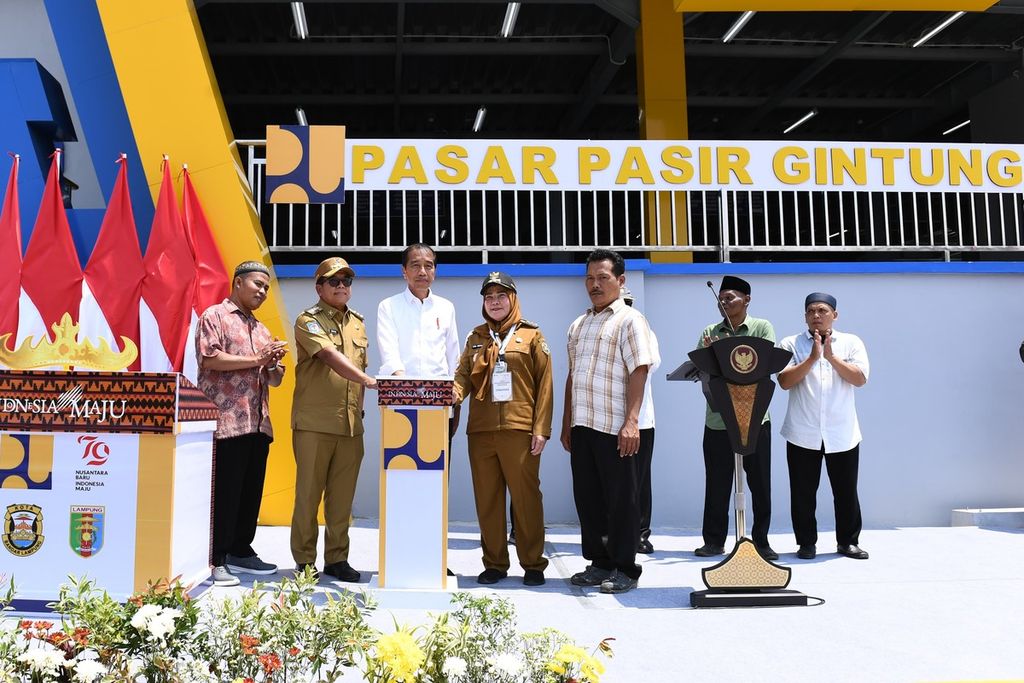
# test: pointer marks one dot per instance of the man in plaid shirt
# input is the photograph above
(610, 352)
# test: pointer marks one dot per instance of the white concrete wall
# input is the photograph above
(941, 414)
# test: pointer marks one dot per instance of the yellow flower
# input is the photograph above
(555, 667)
(401, 654)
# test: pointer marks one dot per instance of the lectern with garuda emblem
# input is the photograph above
(104, 473)
(736, 374)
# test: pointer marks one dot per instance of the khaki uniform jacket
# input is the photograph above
(324, 401)
(529, 361)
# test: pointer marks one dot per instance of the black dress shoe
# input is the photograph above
(767, 553)
(491, 575)
(533, 577)
(645, 547)
(807, 552)
(708, 550)
(343, 571)
(299, 568)
(853, 551)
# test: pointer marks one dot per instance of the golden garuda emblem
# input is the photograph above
(743, 359)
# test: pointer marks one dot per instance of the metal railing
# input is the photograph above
(939, 224)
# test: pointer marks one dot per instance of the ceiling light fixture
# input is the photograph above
(509, 24)
(299, 19)
(941, 27)
(478, 122)
(301, 116)
(957, 127)
(738, 26)
(803, 119)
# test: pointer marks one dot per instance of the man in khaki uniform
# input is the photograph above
(505, 377)
(327, 419)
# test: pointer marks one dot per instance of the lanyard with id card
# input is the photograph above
(501, 378)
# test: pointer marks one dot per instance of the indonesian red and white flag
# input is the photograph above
(212, 282)
(113, 277)
(51, 275)
(10, 257)
(168, 288)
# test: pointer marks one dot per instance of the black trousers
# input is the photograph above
(605, 489)
(804, 477)
(643, 486)
(719, 470)
(239, 468)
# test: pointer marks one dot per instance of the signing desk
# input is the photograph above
(106, 475)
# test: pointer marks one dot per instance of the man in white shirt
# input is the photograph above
(646, 453)
(416, 330)
(821, 423)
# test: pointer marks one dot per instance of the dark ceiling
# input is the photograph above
(422, 69)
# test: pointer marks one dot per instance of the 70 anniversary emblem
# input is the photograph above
(23, 529)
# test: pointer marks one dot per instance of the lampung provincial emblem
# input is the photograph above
(86, 530)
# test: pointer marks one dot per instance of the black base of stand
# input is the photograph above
(753, 598)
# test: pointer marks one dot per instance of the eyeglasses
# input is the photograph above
(335, 281)
(500, 296)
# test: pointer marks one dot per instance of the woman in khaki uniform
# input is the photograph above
(505, 374)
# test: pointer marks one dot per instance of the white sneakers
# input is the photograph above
(222, 577)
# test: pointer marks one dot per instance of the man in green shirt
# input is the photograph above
(719, 460)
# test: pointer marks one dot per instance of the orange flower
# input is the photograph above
(270, 663)
(43, 625)
(293, 651)
(25, 624)
(81, 636)
(249, 644)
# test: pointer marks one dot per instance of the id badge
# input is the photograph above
(501, 385)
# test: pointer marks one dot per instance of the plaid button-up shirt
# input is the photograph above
(241, 395)
(604, 349)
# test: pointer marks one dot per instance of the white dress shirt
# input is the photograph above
(821, 406)
(417, 337)
(647, 407)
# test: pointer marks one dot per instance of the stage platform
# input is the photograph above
(932, 604)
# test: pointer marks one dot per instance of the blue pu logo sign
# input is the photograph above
(26, 461)
(305, 165)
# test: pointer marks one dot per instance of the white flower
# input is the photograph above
(454, 667)
(505, 664)
(142, 617)
(88, 670)
(45, 662)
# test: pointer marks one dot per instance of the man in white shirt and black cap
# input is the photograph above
(821, 424)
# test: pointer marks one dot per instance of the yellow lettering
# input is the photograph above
(917, 167)
(798, 172)
(960, 167)
(634, 166)
(734, 161)
(407, 165)
(365, 158)
(704, 165)
(855, 168)
(888, 157)
(495, 165)
(1007, 175)
(675, 157)
(592, 159)
(820, 166)
(539, 160)
(451, 157)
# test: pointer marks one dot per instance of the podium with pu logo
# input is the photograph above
(106, 475)
(414, 482)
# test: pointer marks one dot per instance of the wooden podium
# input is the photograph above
(106, 475)
(414, 482)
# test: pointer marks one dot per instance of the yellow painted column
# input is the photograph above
(661, 88)
(175, 108)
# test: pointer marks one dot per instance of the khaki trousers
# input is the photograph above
(500, 460)
(326, 467)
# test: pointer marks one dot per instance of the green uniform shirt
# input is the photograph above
(324, 401)
(751, 327)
